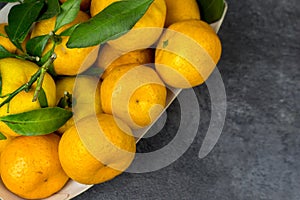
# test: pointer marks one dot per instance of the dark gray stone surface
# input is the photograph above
(257, 155)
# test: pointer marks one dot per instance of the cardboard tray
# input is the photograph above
(72, 188)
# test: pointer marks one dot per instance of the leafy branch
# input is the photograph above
(112, 22)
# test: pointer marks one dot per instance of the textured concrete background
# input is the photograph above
(257, 156)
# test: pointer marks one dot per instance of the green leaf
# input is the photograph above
(36, 45)
(37, 122)
(69, 11)
(5, 53)
(165, 43)
(51, 71)
(28, 1)
(42, 98)
(2, 137)
(20, 19)
(112, 22)
(211, 10)
(52, 9)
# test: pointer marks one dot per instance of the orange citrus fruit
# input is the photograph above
(109, 58)
(85, 99)
(135, 94)
(4, 143)
(14, 73)
(72, 61)
(187, 53)
(180, 10)
(30, 166)
(96, 149)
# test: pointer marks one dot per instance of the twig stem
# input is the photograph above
(40, 79)
(37, 76)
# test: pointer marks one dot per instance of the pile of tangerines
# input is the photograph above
(169, 47)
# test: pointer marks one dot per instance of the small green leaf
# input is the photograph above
(69, 11)
(165, 43)
(2, 137)
(51, 71)
(37, 122)
(20, 19)
(5, 53)
(42, 98)
(52, 9)
(211, 10)
(36, 45)
(112, 22)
